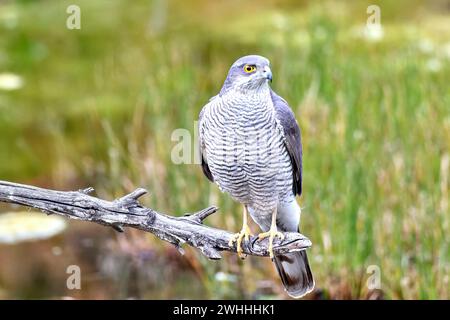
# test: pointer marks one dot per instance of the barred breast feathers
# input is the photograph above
(249, 172)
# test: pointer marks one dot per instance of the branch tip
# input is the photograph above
(86, 190)
(131, 199)
(202, 214)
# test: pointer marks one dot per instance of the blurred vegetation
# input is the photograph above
(98, 105)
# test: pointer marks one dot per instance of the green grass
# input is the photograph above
(99, 105)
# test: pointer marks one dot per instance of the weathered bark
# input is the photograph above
(128, 212)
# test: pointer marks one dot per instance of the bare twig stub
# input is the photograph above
(128, 212)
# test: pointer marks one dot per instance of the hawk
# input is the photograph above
(250, 146)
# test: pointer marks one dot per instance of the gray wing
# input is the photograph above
(204, 162)
(292, 139)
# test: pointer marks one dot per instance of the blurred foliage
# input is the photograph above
(97, 107)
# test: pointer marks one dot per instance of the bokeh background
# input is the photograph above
(97, 107)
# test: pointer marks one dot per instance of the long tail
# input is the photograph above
(292, 267)
(295, 273)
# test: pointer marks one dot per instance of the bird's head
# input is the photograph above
(248, 73)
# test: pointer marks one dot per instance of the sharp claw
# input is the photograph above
(271, 234)
(238, 237)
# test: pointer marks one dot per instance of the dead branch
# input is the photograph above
(128, 212)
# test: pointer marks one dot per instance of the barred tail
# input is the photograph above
(295, 273)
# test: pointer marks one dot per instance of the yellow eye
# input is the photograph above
(248, 68)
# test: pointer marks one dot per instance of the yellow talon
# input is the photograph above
(245, 233)
(271, 234)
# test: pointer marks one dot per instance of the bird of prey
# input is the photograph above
(251, 148)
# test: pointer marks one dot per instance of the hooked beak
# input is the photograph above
(267, 73)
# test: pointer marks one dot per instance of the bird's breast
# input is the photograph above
(245, 151)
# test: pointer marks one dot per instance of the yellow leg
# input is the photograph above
(272, 233)
(245, 233)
